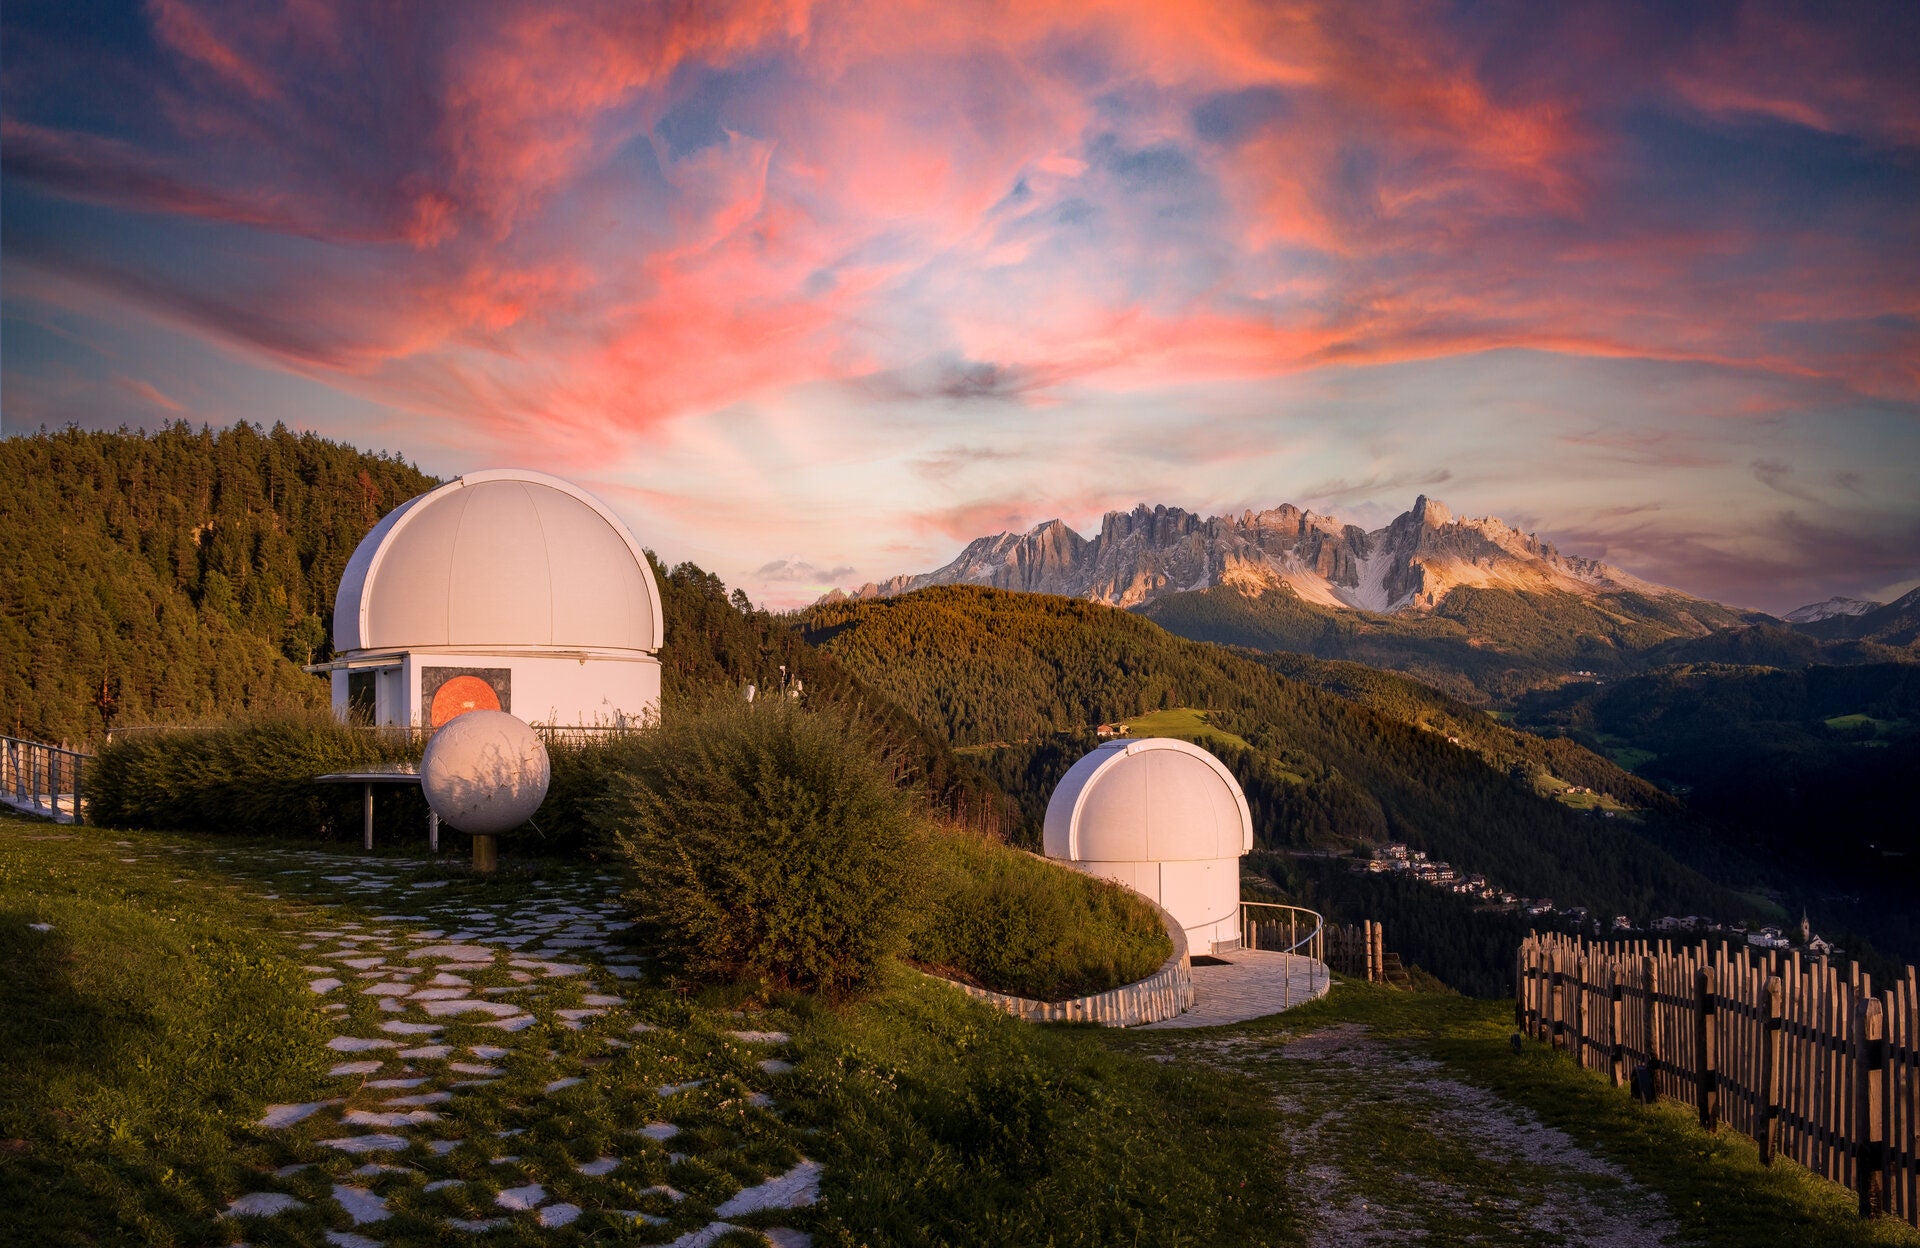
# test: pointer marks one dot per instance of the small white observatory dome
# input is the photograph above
(504, 590)
(1165, 818)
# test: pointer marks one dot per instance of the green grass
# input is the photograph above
(1852, 723)
(1630, 757)
(1556, 788)
(1007, 920)
(167, 1006)
(1712, 1184)
(1183, 722)
(146, 1030)
(945, 1122)
(142, 1033)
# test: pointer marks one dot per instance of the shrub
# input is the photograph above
(583, 768)
(766, 842)
(1009, 921)
(252, 777)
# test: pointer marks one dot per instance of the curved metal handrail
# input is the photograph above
(1312, 945)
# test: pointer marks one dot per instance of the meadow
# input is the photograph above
(156, 999)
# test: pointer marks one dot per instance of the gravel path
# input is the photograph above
(1390, 1150)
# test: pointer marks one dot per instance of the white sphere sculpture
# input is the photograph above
(485, 773)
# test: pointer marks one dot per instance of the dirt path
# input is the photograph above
(1391, 1150)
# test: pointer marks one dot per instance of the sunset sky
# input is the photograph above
(812, 294)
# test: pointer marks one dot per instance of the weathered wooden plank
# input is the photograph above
(1868, 1126)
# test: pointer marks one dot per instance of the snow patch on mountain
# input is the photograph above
(1831, 608)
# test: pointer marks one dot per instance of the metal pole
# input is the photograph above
(366, 818)
(433, 831)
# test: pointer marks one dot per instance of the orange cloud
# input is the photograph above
(590, 220)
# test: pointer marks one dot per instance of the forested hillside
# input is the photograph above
(189, 574)
(1030, 674)
(1541, 759)
(1478, 644)
(1812, 770)
(177, 575)
(717, 644)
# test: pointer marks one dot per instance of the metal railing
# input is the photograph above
(1287, 929)
(566, 734)
(43, 779)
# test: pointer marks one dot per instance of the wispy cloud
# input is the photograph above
(581, 233)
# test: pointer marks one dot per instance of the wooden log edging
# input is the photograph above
(1163, 994)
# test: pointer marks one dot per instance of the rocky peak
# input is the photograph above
(1412, 564)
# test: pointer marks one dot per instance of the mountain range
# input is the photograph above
(1410, 565)
(1471, 605)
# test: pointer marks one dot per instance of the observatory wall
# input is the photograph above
(591, 690)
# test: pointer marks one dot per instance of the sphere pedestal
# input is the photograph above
(486, 855)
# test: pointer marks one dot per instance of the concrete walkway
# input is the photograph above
(1254, 984)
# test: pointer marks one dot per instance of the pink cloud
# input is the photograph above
(499, 231)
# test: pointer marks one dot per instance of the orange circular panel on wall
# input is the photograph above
(460, 695)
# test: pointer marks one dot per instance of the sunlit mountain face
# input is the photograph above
(815, 294)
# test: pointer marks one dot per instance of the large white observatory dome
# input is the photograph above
(501, 557)
(503, 590)
(1165, 818)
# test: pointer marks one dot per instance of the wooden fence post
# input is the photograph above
(1649, 980)
(1520, 988)
(1703, 1033)
(1869, 1063)
(1767, 1133)
(1557, 996)
(1617, 1056)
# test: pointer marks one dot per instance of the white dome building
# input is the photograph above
(502, 590)
(1165, 818)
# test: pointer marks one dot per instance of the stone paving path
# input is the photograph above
(1253, 984)
(490, 1080)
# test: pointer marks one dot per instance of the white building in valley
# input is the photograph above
(502, 590)
(1166, 819)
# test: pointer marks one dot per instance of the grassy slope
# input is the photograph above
(1011, 921)
(147, 1030)
(177, 1010)
(142, 1034)
(1187, 724)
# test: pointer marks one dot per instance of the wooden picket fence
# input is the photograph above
(1802, 1055)
(1360, 950)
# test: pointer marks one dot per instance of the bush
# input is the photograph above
(766, 842)
(253, 777)
(583, 769)
(1009, 921)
